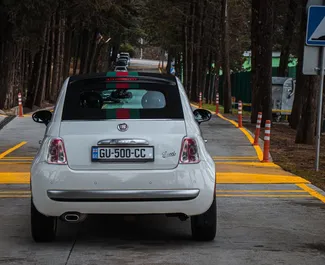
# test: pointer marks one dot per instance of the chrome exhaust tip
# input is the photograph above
(73, 217)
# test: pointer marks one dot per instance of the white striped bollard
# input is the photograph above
(267, 139)
(217, 103)
(20, 105)
(240, 114)
(258, 128)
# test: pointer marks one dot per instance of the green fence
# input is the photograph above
(241, 84)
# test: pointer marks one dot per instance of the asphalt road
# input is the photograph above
(257, 223)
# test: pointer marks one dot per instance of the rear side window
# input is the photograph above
(102, 100)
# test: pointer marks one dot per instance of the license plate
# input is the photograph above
(122, 154)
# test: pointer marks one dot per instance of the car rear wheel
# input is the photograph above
(43, 227)
(204, 226)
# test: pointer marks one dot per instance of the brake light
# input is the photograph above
(189, 152)
(56, 153)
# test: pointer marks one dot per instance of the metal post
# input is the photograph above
(320, 107)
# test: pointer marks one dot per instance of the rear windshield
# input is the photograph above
(93, 100)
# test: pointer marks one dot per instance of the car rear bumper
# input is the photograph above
(187, 189)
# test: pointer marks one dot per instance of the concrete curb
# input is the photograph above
(6, 120)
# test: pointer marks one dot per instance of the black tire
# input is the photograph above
(204, 226)
(43, 228)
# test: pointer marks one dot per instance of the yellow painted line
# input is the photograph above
(250, 164)
(312, 192)
(264, 195)
(14, 163)
(16, 159)
(14, 196)
(261, 191)
(19, 157)
(257, 148)
(14, 177)
(15, 192)
(238, 159)
(2, 155)
(234, 157)
(248, 178)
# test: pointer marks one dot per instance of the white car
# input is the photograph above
(126, 54)
(120, 69)
(122, 143)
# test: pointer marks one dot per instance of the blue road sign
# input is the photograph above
(315, 35)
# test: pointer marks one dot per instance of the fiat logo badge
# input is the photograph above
(122, 127)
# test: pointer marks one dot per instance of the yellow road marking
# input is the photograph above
(248, 178)
(234, 157)
(14, 163)
(16, 192)
(15, 196)
(257, 148)
(14, 177)
(261, 191)
(251, 164)
(312, 192)
(2, 155)
(18, 158)
(264, 195)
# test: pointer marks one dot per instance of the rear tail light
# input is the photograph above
(189, 152)
(56, 154)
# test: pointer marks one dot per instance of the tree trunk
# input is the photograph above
(185, 50)
(217, 77)
(50, 66)
(301, 78)
(208, 94)
(264, 61)
(225, 58)
(26, 72)
(44, 76)
(287, 40)
(77, 55)
(34, 86)
(84, 52)
(56, 64)
(33, 80)
(67, 51)
(92, 54)
(192, 91)
(307, 125)
(256, 104)
(5, 67)
(62, 47)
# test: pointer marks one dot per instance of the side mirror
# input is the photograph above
(202, 115)
(42, 116)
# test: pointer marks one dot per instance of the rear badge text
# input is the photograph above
(166, 154)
